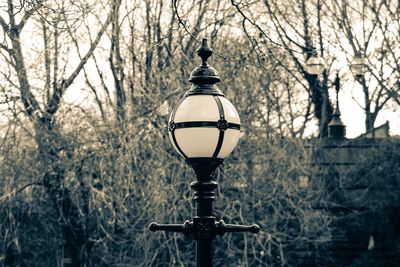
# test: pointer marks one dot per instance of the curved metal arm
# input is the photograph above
(179, 228)
(222, 228)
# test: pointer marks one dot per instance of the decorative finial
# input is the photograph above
(204, 51)
(204, 76)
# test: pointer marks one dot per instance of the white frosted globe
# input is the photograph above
(197, 130)
(315, 65)
(358, 65)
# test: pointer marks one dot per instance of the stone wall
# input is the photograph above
(365, 211)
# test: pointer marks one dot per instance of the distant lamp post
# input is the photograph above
(336, 128)
(358, 66)
(315, 65)
(204, 128)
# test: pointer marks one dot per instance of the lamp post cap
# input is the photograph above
(204, 73)
(204, 76)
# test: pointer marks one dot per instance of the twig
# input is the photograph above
(19, 190)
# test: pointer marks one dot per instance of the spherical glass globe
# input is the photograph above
(358, 65)
(204, 126)
(315, 65)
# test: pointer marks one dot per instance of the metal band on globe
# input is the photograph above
(172, 127)
(204, 124)
(222, 124)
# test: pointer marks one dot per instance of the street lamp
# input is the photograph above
(358, 66)
(204, 128)
(315, 65)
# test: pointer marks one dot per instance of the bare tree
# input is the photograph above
(92, 175)
(296, 31)
(41, 114)
(366, 27)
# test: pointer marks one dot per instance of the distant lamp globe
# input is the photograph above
(315, 65)
(358, 66)
(204, 124)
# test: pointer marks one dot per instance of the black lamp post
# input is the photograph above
(204, 128)
(315, 66)
(336, 128)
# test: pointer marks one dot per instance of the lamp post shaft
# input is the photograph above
(204, 243)
(204, 253)
(204, 221)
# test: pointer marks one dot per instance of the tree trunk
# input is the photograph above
(51, 145)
